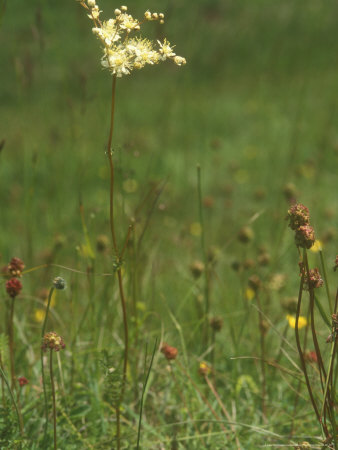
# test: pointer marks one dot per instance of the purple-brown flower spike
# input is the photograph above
(13, 287)
(52, 341)
(298, 215)
(15, 267)
(305, 236)
(315, 280)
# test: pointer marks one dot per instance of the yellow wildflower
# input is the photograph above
(249, 294)
(317, 246)
(39, 315)
(302, 322)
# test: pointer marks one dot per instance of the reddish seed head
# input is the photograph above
(305, 236)
(298, 215)
(52, 341)
(15, 267)
(169, 352)
(22, 381)
(13, 287)
(315, 280)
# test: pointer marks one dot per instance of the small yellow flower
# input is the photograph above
(302, 322)
(39, 315)
(204, 369)
(317, 246)
(249, 294)
(195, 229)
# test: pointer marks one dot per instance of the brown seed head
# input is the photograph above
(298, 215)
(196, 269)
(169, 352)
(15, 267)
(13, 287)
(216, 323)
(315, 280)
(52, 341)
(254, 283)
(305, 236)
(245, 235)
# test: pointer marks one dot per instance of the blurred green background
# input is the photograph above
(255, 106)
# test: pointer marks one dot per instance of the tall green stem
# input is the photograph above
(118, 260)
(42, 366)
(11, 342)
(53, 394)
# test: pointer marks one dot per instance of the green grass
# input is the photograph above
(255, 106)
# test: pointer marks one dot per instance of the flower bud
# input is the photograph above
(59, 283)
(52, 341)
(13, 287)
(169, 352)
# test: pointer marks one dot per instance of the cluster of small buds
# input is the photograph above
(122, 52)
(315, 280)
(298, 215)
(169, 352)
(299, 221)
(13, 269)
(22, 381)
(305, 236)
(13, 287)
(52, 341)
(59, 283)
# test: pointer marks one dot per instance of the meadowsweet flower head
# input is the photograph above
(122, 50)
(302, 322)
(298, 215)
(52, 341)
(13, 287)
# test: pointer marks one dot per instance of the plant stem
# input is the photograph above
(53, 394)
(11, 342)
(205, 259)
(325, 279)
(13, 400)
(299, 348)
(118, 261)
(42, 365)
(262, 344)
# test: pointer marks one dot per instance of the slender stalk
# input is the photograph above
(53, 394)
(11, 342)
(118, 260)
(50, 295)
(13, 400)
(262, 345)
(226, 413)
(325, 279)
(143, 391)
(299, 348)
(205, 259)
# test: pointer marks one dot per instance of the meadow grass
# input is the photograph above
(255, 108)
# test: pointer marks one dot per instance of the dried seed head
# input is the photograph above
(13, 287)
(102, 243)
(52, 341)
(169, 352)
(305, 236)
(315, 280)
(254, 283)
(245, 235)
(15, 267)
(196, 269)
(289, 304)
(59, 283)
(298, 215)
(22, 381)
(216, 323)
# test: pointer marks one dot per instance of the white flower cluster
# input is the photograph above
(122, 51)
